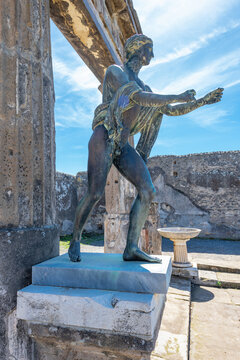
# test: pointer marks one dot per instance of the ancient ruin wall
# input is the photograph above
(197, 190)
(69, 190)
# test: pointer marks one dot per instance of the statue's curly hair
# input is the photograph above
(134, 43)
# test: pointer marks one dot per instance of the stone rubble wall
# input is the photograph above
(199, 190)
(196, 190)
(69, 190)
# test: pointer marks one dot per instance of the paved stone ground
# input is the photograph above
(173, 340)
(215, 324)
(215, 312)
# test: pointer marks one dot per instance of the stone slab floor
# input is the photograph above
(215, 324)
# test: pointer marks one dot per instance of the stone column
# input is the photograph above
(119, 195)
(28, 234)
(150, 240)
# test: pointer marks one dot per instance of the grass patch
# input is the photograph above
(87, 238)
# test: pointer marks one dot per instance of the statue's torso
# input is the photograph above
(110, 88)
(118, 88)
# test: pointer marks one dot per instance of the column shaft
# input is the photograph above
(28, 234)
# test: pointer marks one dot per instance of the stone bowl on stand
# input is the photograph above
(180, 236)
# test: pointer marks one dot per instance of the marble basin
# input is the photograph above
(179, 233)
(180, 236)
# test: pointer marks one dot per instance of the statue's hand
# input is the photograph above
(188, 96)
(213, 97)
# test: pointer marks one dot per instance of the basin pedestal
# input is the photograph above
(180, 253)
(180, 236)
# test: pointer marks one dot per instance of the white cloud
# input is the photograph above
(172, 142)
(74, 115)
(193, 46)
(209, 116)
(173, 18)
(58, 124)
(233, 83)
(75, 78)
(211, 75)
(78, 78)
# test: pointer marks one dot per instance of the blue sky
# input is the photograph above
(196, 45)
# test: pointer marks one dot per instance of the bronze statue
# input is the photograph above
(129, 107)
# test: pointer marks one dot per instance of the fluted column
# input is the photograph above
(180, 253)
(28, 233)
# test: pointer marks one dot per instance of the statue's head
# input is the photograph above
(139, 45)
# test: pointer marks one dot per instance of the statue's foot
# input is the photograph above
(135, 254)
(74, 251)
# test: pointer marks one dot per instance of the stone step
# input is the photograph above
(104, 272)
(218, 279)
(100, 310)
(212, 265)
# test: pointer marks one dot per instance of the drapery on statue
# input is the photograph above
(129, 107)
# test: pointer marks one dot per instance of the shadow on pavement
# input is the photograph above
(200, 294)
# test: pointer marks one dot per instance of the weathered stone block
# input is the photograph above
(61, 343)
(104, 271)
(66, 201)
(118, 312)
(119, 193)
(115, 232)
(20, 249)
(150, 240)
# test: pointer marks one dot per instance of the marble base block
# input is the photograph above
(111, 311)
(104, 272)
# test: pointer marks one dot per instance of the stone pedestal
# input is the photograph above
(117, 303)
(28, 233)
(104, 272)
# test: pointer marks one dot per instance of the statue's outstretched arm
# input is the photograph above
(211, 98)
(148, 99)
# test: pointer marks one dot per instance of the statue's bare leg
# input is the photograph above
(99, 163)
(132, 167)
